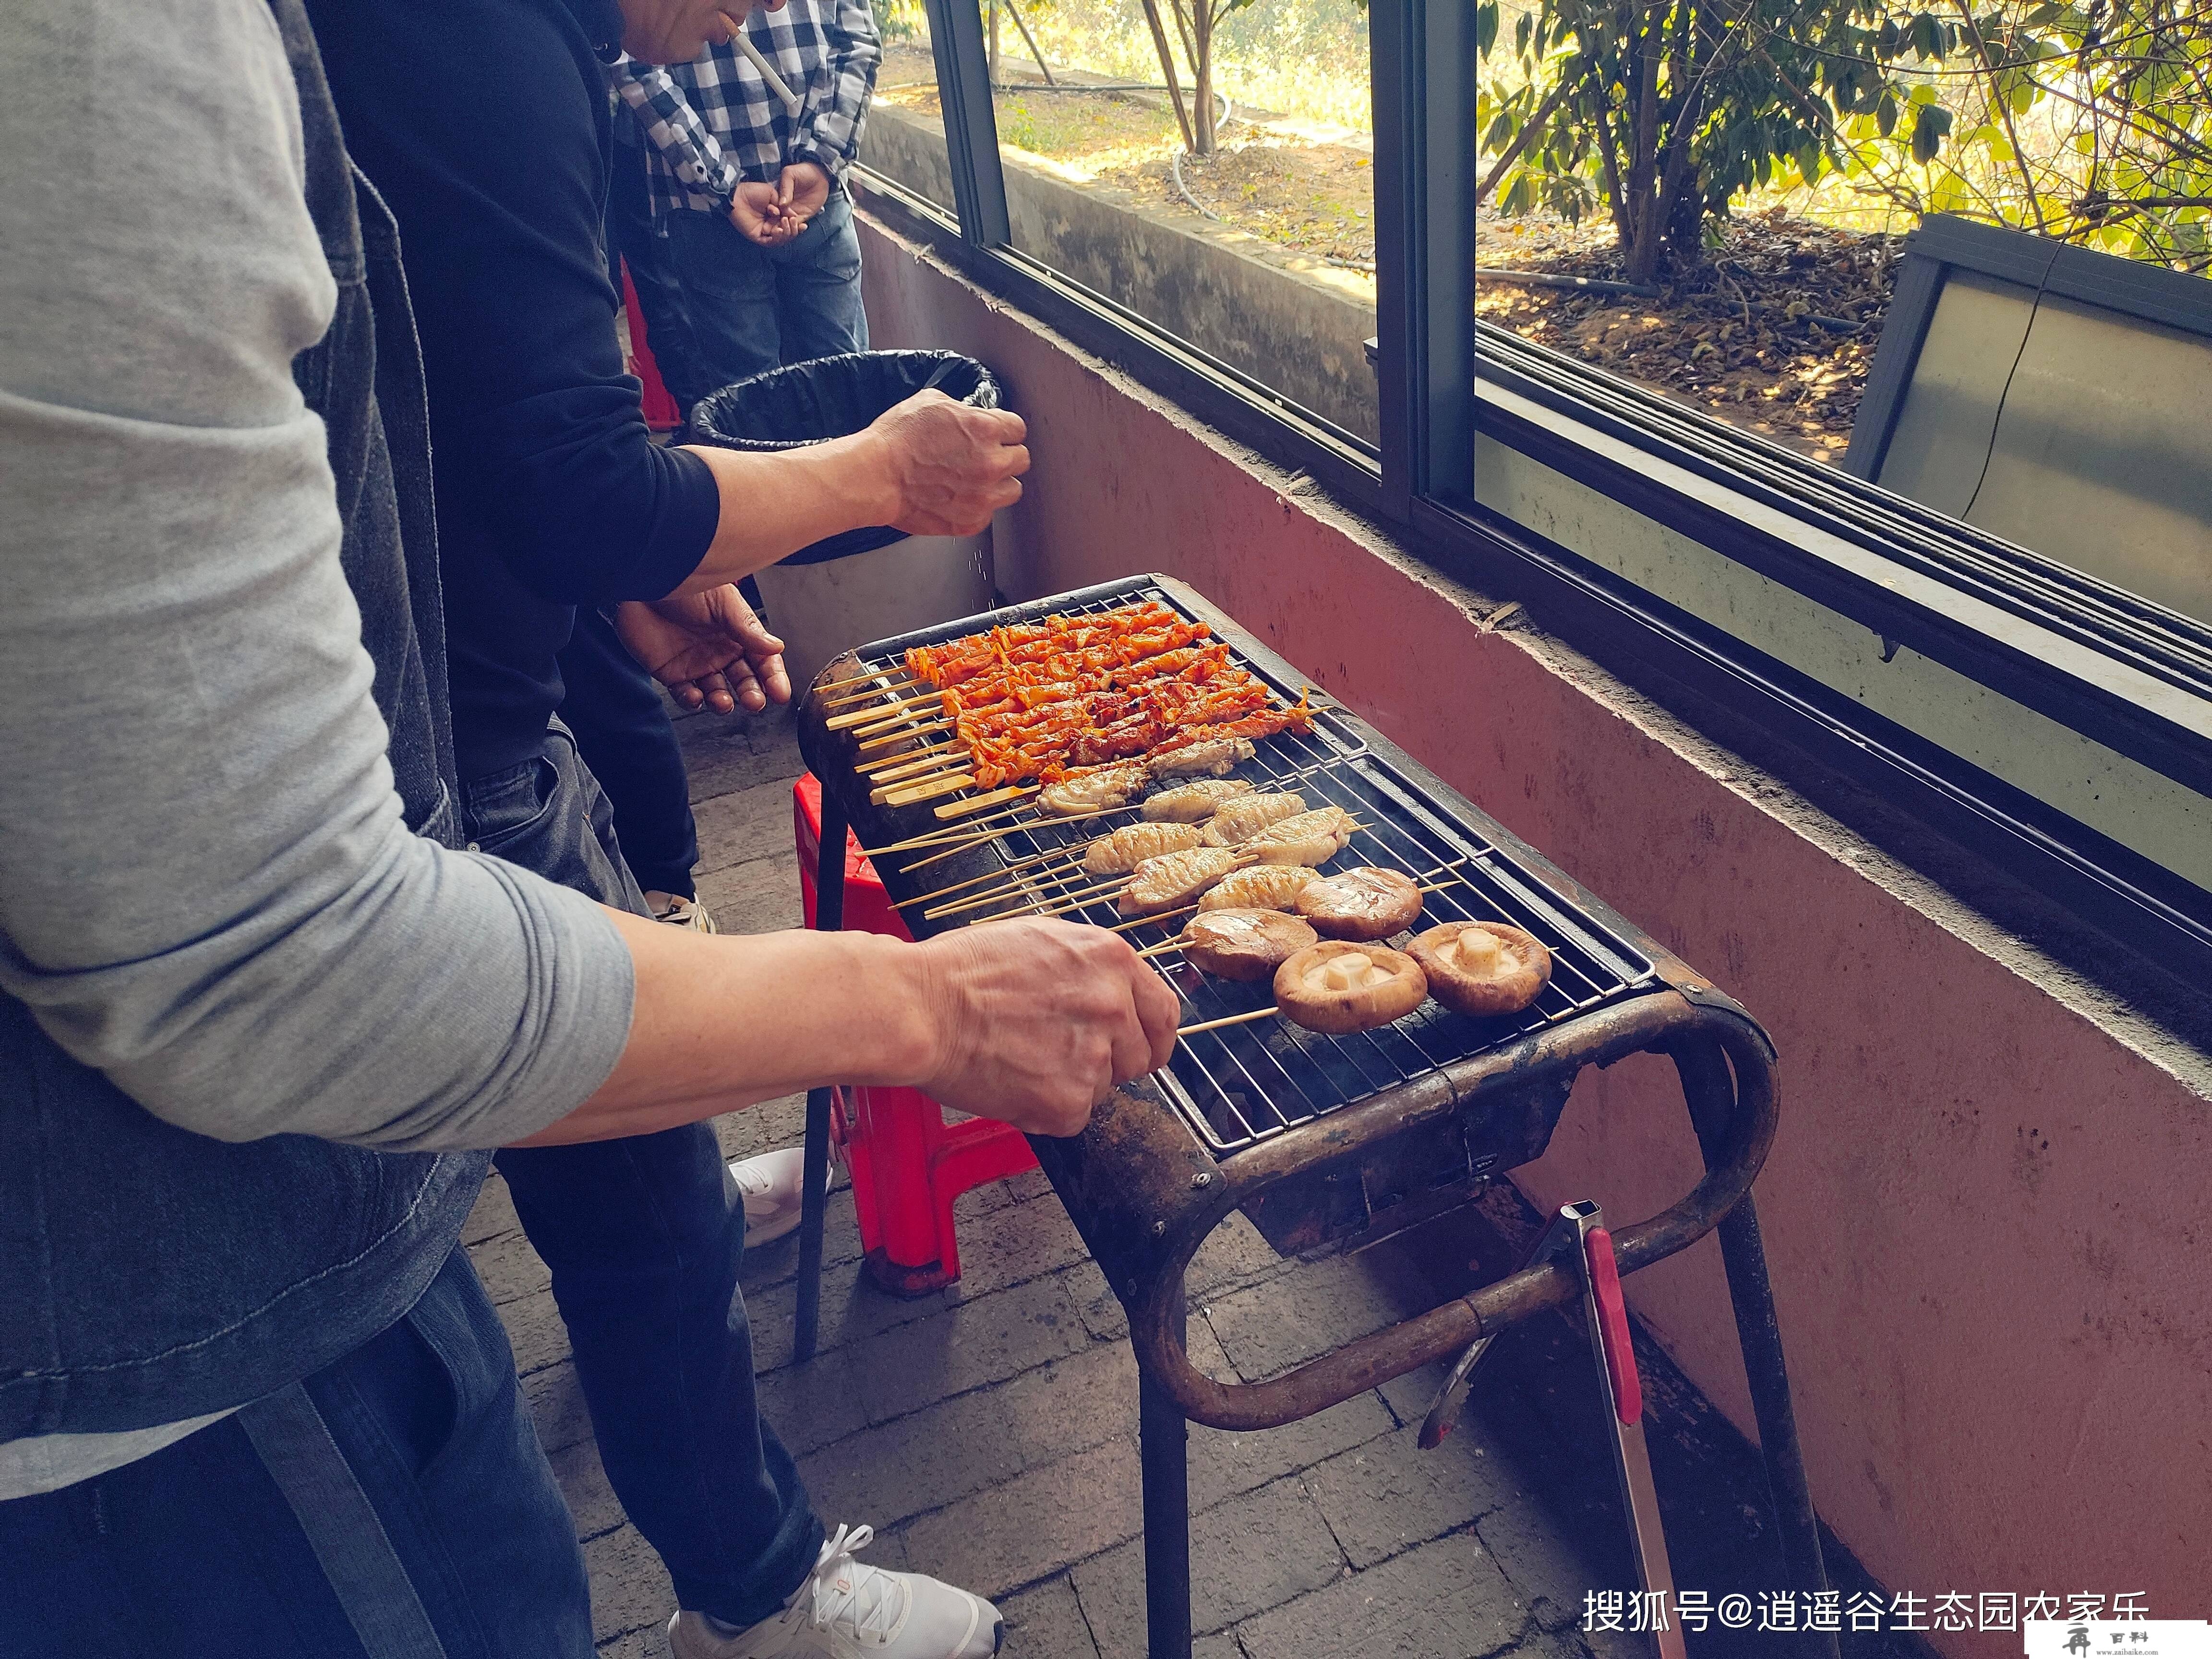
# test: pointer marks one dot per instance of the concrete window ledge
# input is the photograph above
(1985, 1209)
(1291, 320)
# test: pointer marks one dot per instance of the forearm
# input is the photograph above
(776, 502)
(721, 1022)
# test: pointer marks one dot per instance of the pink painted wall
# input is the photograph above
(1986, 1216)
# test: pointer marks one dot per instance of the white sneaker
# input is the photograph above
(772, 1186)
(680, 911)
(849, 1610)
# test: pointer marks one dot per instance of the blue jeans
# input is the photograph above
(755, 308)
(394, 1505)
(622, 731)
(645, 1236)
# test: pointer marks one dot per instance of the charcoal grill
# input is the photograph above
(1322, 1140)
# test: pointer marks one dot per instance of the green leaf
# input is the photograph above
(1928, 132)
(1885, 115)
(1486, 28)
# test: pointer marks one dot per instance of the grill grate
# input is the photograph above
(1244, 1084)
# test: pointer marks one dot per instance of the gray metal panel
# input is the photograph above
(2102, 456)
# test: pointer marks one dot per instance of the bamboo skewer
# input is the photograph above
(890, 737)
(865, 674)
(961, 809)
(877, 714)
(1020, 884)
(967, 839)
(989, 875)
(1016, 891)
(902, 768)
(939, 838)
(923, 789)
(1230, 1019)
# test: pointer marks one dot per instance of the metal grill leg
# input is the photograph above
(1163, 1445)
(1711, 1092)
(814, 1170)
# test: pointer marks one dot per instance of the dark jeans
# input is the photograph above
(394, 1505)
(622, 727)
(631, 237)
(645, 1236)
(755, 308)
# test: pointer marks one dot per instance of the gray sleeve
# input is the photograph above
(205, 887)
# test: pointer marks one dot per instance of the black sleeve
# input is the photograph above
(484, 124)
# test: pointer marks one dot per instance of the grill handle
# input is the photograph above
(1701, 1035)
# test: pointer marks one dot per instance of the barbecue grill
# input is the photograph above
(1324, 1139)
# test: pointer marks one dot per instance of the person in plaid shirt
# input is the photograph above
(749, 192)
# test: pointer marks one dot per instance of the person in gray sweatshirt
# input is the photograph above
(262, 1015)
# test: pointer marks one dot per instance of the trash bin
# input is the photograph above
(865, 584)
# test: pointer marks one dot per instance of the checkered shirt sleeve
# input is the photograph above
(714, 123)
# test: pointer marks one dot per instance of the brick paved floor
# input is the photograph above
(989, 1431)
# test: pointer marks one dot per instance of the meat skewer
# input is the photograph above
(1121, 852)
(1238, 821)
(1194, 802)
(1175, 880)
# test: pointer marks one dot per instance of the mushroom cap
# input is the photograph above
(1339, 987)
(1366, 903)
(1470, 977)
(1244, 945)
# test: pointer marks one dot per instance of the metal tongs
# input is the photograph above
(1579, 1229)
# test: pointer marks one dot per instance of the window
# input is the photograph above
(904, 138)
(2049, 712)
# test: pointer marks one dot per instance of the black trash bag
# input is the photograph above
(833, 398)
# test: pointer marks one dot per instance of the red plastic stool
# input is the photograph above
(908, 1162)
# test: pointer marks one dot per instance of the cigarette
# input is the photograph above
(775, 82)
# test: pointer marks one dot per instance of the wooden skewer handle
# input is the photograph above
(1232, 1019)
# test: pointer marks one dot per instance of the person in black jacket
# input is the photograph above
(486, 125)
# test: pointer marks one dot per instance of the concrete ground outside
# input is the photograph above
(989, 1431)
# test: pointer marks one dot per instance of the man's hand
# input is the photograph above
(803, 191)
(706, 648)
(1036, 1020)
(758, 212)
(946, 468)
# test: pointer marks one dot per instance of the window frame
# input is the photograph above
(1442, 379)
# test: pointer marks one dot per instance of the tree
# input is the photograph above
(1195, 22)
(2091, 122)
(1662, 111)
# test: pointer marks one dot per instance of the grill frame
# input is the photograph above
(1146, 1183)
(1238, 1087)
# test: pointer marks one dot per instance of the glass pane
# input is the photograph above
(905, 138)
(1250, 236)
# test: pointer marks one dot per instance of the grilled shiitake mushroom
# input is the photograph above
(1368, 902)
(1482, 966)
(1339, 987)
(1244, 945)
